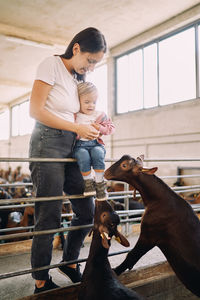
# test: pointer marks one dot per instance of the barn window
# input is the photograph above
(150, 76)
(129, 82)
(99, 78)
(177, 67)
(159, 73)
(4, 124)
(21, 122)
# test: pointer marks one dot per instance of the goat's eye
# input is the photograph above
(124, 165)
(104, 215)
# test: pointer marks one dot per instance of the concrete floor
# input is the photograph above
(17, 287)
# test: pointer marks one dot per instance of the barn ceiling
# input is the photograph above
(31, 30)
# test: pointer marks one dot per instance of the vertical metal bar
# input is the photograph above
(116, 98)
(143, 87)
(197, 60)
(10, 123)
(126, 202)
(158, 75)
(10, 134)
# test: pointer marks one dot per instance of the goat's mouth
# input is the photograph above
(105, 234)
(106, 238)
(109, 230)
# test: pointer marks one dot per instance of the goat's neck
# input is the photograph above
(97, 251)
(151, 188)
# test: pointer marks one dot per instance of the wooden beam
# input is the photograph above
(155, 282)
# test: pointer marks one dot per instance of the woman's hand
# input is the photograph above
(87, 132)
(96, 126)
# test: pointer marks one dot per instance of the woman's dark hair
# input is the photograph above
(90, 40)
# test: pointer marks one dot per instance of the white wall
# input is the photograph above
(172, 131)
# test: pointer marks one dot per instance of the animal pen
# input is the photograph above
(155, 281)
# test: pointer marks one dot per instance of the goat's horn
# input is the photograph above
(142, 156)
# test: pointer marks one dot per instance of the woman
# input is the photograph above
(54, 102)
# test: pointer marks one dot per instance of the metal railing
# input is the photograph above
(126, 216)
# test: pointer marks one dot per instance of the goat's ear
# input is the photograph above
(150, 171)
(121, 239)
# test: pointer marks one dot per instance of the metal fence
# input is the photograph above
(127, 216)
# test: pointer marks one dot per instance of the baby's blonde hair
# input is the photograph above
(86, 88)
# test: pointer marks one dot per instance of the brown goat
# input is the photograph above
(99, 281)
(168, 222)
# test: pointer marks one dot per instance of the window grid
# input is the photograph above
(196, 27)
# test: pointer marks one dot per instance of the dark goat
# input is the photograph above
(99, 281)
(168, 222)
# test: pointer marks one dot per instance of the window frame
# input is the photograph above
(6, 111)
(196, 26)
(18, 132)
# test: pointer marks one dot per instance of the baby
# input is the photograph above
(91, 153)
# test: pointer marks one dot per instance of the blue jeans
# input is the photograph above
(51, 179)
(89, 154)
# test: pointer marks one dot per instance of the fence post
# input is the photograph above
(126, 203)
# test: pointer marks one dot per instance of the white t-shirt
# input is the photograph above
(87, 119)
(62, 99)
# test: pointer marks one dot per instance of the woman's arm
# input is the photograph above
(38, 99)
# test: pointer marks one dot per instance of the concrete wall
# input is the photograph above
(172, 131)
